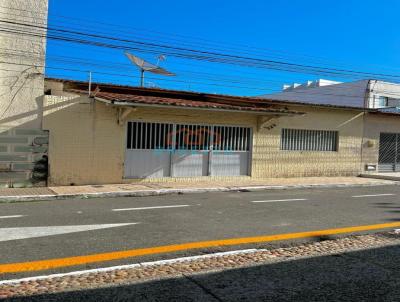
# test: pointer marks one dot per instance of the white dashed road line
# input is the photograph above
(152, 208)
(278, 200)
(12, 216)
(374, 195)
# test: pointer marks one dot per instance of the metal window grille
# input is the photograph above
(149, 136)
(231, 138)
(193, 137)
(165, 136)
(389, 152)
(309, 140)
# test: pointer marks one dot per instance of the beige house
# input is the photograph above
(54, 132)
(125, 134)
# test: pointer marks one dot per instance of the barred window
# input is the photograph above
(309, 140)
(231, 138)
(193, 137)
(142, 135)
(165, 136)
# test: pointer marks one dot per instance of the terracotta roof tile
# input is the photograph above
(169, 101)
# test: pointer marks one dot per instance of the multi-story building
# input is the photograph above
(373, 94)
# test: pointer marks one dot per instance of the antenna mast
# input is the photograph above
(141, 77)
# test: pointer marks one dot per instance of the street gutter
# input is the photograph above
(158, 192)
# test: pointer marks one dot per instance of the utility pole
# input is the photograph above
(141, 77)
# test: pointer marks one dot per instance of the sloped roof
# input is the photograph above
(130, 98)
(82, 87)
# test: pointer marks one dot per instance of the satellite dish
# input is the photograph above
(148, 67)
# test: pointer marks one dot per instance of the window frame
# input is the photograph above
(295, 143)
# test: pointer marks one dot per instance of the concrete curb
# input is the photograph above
(157, 192)
(381, 177)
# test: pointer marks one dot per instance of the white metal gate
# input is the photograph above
(186, 150)
(389, 152)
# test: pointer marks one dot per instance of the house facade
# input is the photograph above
(55, 132)
(127, 134)
(381, 131)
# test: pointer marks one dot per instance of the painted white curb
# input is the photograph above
(130, 266)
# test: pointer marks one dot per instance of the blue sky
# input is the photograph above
(352, 34)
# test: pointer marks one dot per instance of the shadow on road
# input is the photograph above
(367, 275)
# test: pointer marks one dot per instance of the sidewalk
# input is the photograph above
(151, 189)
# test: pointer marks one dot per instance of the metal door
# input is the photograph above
(148, 151)
(186, 150)
(389, 152)
(231, 151)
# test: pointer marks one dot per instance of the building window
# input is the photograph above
(165, 136)
(309, 140)
(149, 136)
(383, 101)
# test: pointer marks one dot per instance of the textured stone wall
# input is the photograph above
(23, 157)
(23, 145)
(22, 64)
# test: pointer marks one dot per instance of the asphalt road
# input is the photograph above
(65, 228)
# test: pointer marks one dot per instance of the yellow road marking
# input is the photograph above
(80, 260)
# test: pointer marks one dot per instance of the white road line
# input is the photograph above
(374, 195)
(278, 200)
(8, 234)
(151, 208)
(130, 266)
(13, 216)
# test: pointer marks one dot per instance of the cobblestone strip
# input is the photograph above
(186, 267)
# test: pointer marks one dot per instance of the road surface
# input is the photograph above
(44, 230)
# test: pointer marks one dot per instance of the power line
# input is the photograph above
(97, 23)
(195, 54)
(200, 83)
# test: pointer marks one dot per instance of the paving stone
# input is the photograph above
(15, 140)
(13, 175)
(308, 272)
(29, 149)
(30, 132)
(13, 158)
(43, 140)
(23, 166)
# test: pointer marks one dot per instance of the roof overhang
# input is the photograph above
(254, 112)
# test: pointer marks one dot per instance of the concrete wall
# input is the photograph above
(22, 64)
(21, 94)
(87, 144)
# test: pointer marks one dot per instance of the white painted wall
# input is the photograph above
(386, 89)
(345, 94)
(22, 64)
(354, 94)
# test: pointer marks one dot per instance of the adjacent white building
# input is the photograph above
(373, 94)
